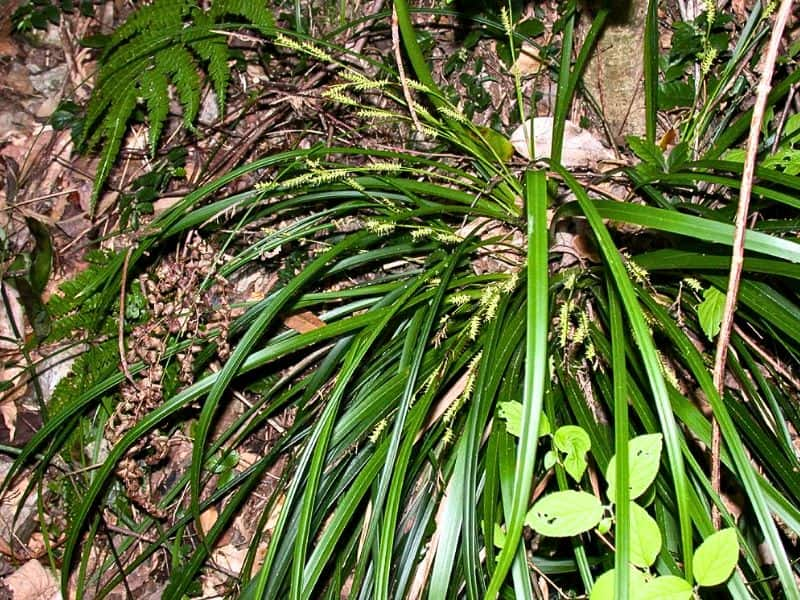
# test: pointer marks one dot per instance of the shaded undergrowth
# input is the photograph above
(436, 298)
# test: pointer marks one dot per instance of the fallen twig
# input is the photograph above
(402, 72)
(737, 254)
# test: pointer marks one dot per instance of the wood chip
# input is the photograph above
(208, 518)
(304, 322)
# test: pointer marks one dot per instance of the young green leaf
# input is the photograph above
(41, 256)
(716, 557)
(709, 311)
(645, 537)
(677, 157)
(575, 443)
(511, 412)
(549, 460)
(564, 514)
(499, 143)
(604, 588)
(544, 425)
(499, 536)
(666, 587)
(644, 455)
(604, 526)
(672, 94)
(648, 152)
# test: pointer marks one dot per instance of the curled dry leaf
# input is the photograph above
(230, 557)
(581, 148)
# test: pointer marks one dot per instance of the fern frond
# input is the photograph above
(160, 14)
(154, 87)
(176, 61)
(255, 13)
(97, 363)
(69, 310)
(113, 129)
(213, 50)
(166, 42)
(90, 317)
(101, 102)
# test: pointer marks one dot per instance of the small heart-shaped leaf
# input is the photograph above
(645, 537)
(716, 557)
(575, 443)
(564, 514)
(644, 457)
(666, 587)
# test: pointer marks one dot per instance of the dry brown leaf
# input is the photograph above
(543, 589)
(274, 514)
(162, 204)
(246, 460)
(8, 410)
(5, 548)
(210, 582)
(208, 518)
(500, 257)
(256, 285)
(18, 79)
(304, 322)
(16, 515)
(669, 139)
(261, 554)
(8, 48)
(574, 247)
(12, 320)
(230, 558)
(105, 204)
(36, 545)
(32, 582)
(528, 62)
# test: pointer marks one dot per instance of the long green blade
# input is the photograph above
(535, 368)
